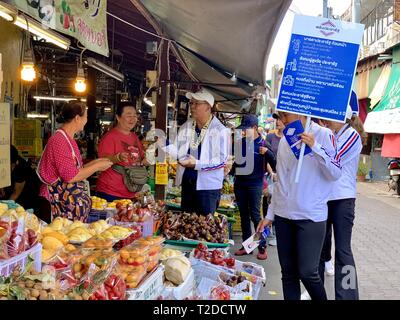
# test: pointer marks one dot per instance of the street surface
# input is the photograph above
(376, 248)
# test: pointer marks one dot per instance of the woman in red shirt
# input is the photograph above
(61, 168)
(122, 147)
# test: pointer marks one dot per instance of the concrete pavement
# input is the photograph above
(376, 248)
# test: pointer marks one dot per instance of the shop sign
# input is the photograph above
(161, 173)
(83, 20)
(320, 67)
(5, 165)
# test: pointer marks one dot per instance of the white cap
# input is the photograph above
(201, 95)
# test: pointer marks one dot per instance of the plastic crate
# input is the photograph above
(182, 291)
(205, 286)
(7, 266)
(204, 269)
(30, 147)
(237, 227)
(27, 128)
(150, 287)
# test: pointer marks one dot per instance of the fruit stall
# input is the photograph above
(128, 250)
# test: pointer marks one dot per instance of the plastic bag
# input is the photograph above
(15, 240)
(271, 184)
(115, 287)
(220, 292)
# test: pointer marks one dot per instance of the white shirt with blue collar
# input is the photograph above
(306, 200)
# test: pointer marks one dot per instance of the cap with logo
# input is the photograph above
(201, 95)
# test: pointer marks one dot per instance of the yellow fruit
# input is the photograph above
(47, 255)
(46, 230)
(57, 224)
(70, 247)
(51, 243)
(124, 254)
(76, 224)
(58, 235)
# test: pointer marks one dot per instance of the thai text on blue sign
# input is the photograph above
(320, 67)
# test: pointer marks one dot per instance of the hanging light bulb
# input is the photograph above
(80, 82)
(28, 72)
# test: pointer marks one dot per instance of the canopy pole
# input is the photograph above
(161, 111)
(303, 148)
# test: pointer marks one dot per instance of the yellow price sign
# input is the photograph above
(161, 173)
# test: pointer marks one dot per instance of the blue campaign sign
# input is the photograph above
(320, 68)
(292, 134)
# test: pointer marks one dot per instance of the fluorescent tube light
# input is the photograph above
(91, 62)
(37, 116)
(35, 28)
(7, 12)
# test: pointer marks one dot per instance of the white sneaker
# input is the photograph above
(329, 268)
(272, 242)
(305, 296)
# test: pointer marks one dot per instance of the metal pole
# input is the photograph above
(325, 8)
(356, 11)
(161, 111)
(91, 104)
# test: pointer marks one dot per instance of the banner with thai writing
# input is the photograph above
(161, 173)
(5, 166)
(318, 76)
(85, 20)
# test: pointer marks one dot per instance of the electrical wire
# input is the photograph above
(136, 27)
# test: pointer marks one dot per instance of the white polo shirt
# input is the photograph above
(308, 198)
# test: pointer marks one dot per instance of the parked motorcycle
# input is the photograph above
(394, 171)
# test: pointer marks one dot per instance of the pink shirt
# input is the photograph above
(114, 142)
(58, 161)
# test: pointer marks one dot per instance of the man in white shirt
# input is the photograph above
(201, 147)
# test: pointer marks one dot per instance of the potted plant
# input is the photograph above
(362, 171)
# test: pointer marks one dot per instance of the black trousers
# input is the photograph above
(248, 199)
(202, 202)
(326, 254)
(299, 245)
(341, 218)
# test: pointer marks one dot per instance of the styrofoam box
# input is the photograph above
(7, 266)
(150, 287)
(184, 290)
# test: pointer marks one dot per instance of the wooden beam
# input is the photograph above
(162, 108)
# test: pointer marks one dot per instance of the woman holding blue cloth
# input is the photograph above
(300, 209)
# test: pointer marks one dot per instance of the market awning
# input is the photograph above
(380, 86)
(362, 84)
(225, 42)
(385, 118)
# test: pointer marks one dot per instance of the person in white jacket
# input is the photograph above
(341, 209)
(201, 147)
(300, 209)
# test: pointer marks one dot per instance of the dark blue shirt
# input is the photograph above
(255, 178)
(191, 173)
